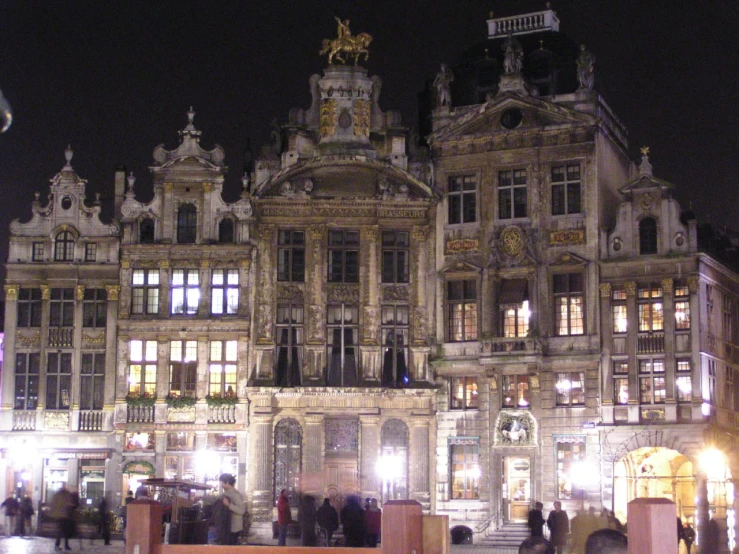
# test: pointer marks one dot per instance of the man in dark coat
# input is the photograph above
(104, 521)
(536, 520)
(352, 520)
(327, 518)
(307, 520)
(559, 526)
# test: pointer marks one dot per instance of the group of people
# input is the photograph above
(18, 514)
(361, 526)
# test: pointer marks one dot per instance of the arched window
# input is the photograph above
(648, 236)
(288, 454)
(187, 224)
(64, 247)
(394, 441)
(146, 231)
(226, 231)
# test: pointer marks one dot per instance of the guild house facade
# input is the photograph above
(512, 310)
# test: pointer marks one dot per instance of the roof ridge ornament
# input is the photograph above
(68, 154)
(346, 43)
(645, 168)
(190, 129)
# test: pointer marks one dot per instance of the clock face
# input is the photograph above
(511, 118)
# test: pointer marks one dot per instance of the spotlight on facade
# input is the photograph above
(713, 463)
(207, 462)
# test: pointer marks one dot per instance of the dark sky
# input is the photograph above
(115, 78)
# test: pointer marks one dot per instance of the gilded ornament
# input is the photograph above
(329, 118)
(630, 288)
(94, 339)
(125, 263)
(644, 150)
(205, 264)
(113, 291)
(511, 241)
(493, 384)
(168, 187)
(79, 292)
(316, 232)
(362, 118)
(346, 43)
(30, 340)
(694, 283)
(667, 286)
(419, 233)
(245, 263)
(370, 233)
(207, 187)
(11, 292)
(164, 264)
(605, 290)
(45, 292)
(56, 421)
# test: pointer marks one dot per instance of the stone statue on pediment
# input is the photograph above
(513, 55)
(586, 68)
(442, 81)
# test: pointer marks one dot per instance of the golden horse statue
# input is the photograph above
(346, 43)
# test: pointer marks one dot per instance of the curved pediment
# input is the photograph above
(344, 176)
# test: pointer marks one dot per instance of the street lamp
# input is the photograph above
(584, 474)
(388, 469)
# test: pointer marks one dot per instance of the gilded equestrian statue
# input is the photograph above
(346, 43)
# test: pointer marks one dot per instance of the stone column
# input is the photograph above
(419, 313)
(632, 315)
(486, 304)
(203, 380)
(265, 307)
(369, 295)
(44, 344)
(169, 227)
(165, 273)
(126, 276)
(11, 324)
(418, 474)
(207, 229)
(495, 330)
(695, 360)
(205, 297)
(315, 321)
(701, 508)
(162, 387)
(111, 365)
(262, 468)
(244, 300)
(735, 505)
(74, 408)
(606, 321)
(668, 310)
(370, 451)
(313, 455)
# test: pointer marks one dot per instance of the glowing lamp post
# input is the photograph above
(389, 470)
(585, 475)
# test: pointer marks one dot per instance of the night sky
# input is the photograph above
(115, 78)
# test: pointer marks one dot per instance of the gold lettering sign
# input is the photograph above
(461, 245)
(567, 236)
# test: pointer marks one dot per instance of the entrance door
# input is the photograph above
(340, 481)
(517, 475)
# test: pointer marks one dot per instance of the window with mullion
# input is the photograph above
(64, 247)
(142, 367)
(651, 313)
(95, 308)
(569, 451)
(463, 393)
(683, 380)
(92, 381)
(566, 196)
(619, 313)
(462, 310)
(465, 471)
(512, 194)
(289, 347)
(222, 368)
(224, 292)
(343, 257)
(648, 236)
(343, 334)
(682, 308)
(187, 224)
(395, 346)
(145, 291)
(395, 247)
(516, 391)
(37, 254)
(27, 366)
(91, 252)
(61, 308)
(29, 308)
(569, 304)
(58, 380)
(185, 291)
(291, 256)
(621, 382)
(183, 367)
(462, 199)
(652, 381)
(570, 388)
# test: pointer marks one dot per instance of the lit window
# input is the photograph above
(651, 311)
(516, 391)
(512, 195)
(570, 450)
(566, 189)
(570, 388)
(621, 382)
(222, 368)
(463, 393)
(652, 381)
(142, 368)
(224, 291)
(682, 308)
(183, 367)
(462, 199)
(618, 311)
(514, 307)
(185, 291)
(145, 291)
(465, 469)
(568, 304)
(462, 310)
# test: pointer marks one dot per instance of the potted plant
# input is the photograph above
(221, 399)
(143, 399)
(176, 401)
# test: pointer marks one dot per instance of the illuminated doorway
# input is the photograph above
(517, 479)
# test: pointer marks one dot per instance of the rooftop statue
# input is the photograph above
(585, 69)
(443, 79)
(513, 55)
(346, 43)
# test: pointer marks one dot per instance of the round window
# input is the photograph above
(511, 118)
(66, 203)
(617, 245)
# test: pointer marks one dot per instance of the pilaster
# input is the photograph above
(370, 450)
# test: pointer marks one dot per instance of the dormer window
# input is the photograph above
(226, 231)
(64, 247)
(146, 231)
(647, 236)
(187, 220)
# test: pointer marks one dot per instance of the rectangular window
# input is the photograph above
(568, 304)
(570, 388)
(728, 308)
(729, 388)
(145, 291)
(516, 391)
(142, 367)
(621, 390)
(569, 451)
(343, 334)
(618, 311)
(513, 302)
(462, 199)
(289, 347)
(512, 194)
(183, 367)
(224, 292)
(465, 469)
(343, 257)
(463, 393)
(185, 291)
(652, 381)
(566, 189)
(58, 380)
(651, 314)
(91, 251)
(29, 308)
(95, 308)
(395, 346)
(222, 368)
(712, 381)
(462, 310)
(26, 380)
(37, 253)
(61, 308)
(395, 247)
(92, 381)
(291, 256)
(184, 442)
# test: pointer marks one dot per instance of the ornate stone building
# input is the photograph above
(514, 311)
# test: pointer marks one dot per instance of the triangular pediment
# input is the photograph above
(569, 259)
(644, 183)
(506, 109)
(460, 266)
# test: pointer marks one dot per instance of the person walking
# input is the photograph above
(536, 520)
(62, 511)
(307, 518)
(11, 506)
(283, 517)
(25, 515)
(104, 521)
(688, 536)
(328, 519)
(559, 527)
(233, 500)
(372, 523)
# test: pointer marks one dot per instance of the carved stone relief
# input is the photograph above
(395, 293)
(345, 294)
(515, 428)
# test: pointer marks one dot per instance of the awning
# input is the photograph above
(513, 292)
